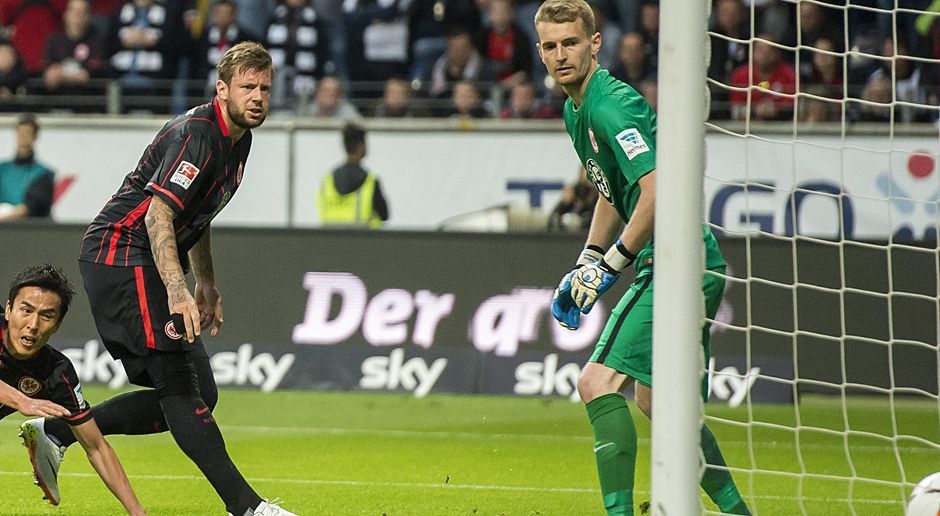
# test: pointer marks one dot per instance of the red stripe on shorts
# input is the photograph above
(144, 308)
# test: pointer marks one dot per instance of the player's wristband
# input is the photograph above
(618, 257)
(590, 254)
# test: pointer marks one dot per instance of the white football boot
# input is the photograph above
(271, 508)
(267, 508)
(45, 457)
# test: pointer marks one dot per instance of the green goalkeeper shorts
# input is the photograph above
(627, 342)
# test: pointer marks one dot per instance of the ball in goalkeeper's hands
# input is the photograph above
(589, 283)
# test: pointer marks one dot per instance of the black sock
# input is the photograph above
(131, 413)
(197, 434)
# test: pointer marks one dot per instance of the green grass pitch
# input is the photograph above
(375, 454)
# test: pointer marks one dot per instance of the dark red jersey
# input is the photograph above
(48, 375)
(192, 165)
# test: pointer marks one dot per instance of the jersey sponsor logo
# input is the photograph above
(593, 141)
(171, 332)
(185, 174)
(29, 385)
(596, 175)
(632, 143)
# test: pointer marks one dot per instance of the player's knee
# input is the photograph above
(591, 386)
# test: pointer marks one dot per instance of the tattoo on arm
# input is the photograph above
(159, 222)
(201, 258)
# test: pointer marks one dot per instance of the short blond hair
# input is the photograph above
(246, 55)
(565, 11)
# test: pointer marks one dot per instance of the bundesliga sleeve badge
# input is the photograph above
(632, 143)
(185, 174)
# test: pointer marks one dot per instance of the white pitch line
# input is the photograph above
(475, 487)
(359, 483)
(441, 434)
(540, 437)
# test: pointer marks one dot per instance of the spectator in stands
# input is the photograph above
(33, 21)
(818, 21)
(825, 70)
(350, 195)
(222, 33)
(523, 103)
(461, 61)
(633, 65)
(728, 51)
(575, 209)
(776, 18)
(396, 100)
(649, 26)
(255, 16)
(26, 186)
(430, 21)
(505, 46)
(877, 101)
(377, 44)
(771, 81)
(333, 21)
(298, 50)
(650, 91)
(330, 101)
(465, 101)
(12, 74)
(75, 56)
(139, 43)
(610, 37)
(908, 80)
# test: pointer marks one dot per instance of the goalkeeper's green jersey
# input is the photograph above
(614, 134)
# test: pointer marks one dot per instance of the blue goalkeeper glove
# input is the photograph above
(597, 277)
(563, 308)
(590, 282)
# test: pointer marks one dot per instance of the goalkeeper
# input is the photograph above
(613, 130)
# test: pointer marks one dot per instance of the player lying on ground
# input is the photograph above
(613, 130)
(38, 301)
(133, 262)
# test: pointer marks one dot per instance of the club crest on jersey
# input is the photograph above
(593, 141)
(240, 173)
(29, 385)
(185, 174)
(171, 332)
(596, 175)
(632, 143)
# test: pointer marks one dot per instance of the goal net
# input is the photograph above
(821, 174)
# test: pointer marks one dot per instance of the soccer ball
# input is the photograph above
(590, 278)
(925, 497)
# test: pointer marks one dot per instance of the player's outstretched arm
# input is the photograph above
(106, 463)
(208, 298)
(159, 222)
(29, 406)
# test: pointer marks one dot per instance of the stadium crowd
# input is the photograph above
(467, 58)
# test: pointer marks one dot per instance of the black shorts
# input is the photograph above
(129, 306)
